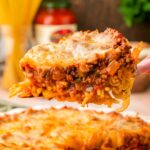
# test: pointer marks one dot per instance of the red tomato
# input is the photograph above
(55, 16)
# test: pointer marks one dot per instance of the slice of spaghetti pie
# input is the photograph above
(69, 129)
(88, 67)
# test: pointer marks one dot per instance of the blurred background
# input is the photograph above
(25, 23)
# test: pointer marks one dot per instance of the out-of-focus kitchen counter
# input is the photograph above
(140, 102)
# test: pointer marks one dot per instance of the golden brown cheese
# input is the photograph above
(77, 48)
(70, 129)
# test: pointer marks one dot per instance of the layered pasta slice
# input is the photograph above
(87, 67)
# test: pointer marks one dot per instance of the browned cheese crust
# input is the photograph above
(70, 129)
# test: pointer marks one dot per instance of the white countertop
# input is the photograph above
(140, 102)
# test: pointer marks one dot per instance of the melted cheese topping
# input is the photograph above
(67, 128)
(79, 47)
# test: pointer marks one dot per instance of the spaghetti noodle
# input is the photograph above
(16, 17)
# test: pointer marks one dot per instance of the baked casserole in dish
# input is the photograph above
(72, 129)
